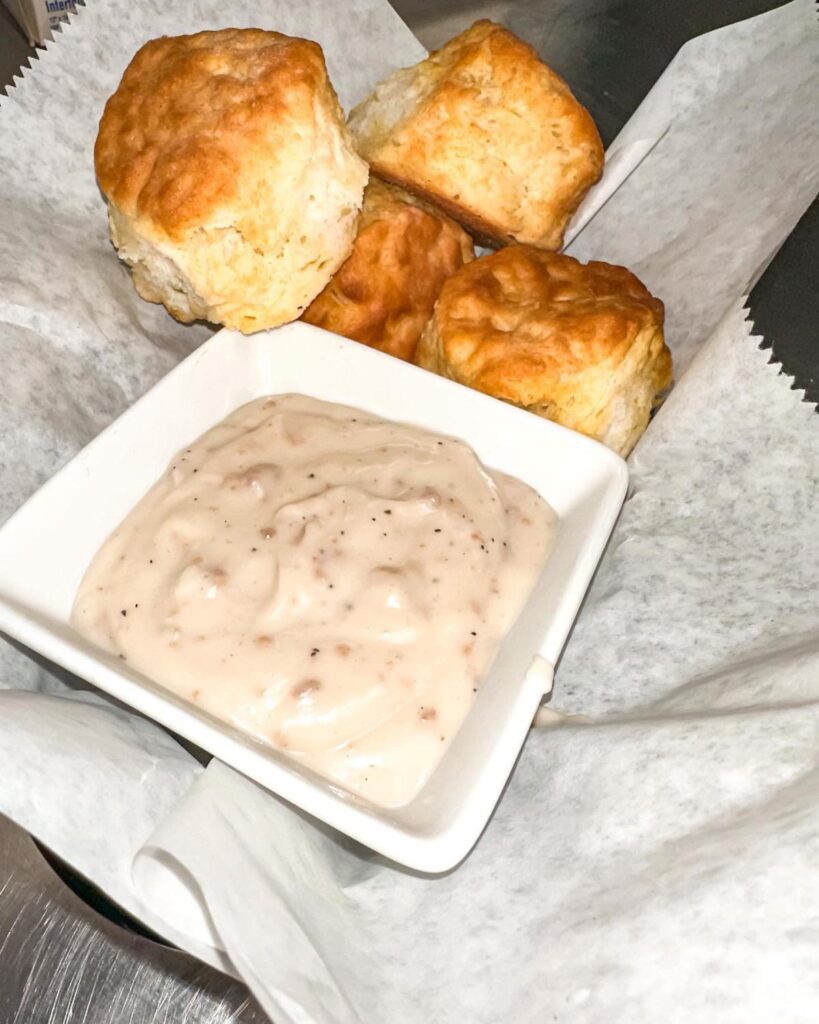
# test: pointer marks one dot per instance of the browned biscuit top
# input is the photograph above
(520, 321)
(487, 131)
(194, 115)
(404, 251)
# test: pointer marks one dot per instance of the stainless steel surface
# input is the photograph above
(14, 48)
(785, 305)
(60, 961)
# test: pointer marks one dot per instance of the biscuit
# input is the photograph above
(485, 130)
(580, 344)
(233, 189)
(383, 295)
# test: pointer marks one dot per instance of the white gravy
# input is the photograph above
(330, 582)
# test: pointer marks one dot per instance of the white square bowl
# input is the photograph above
(47, 545)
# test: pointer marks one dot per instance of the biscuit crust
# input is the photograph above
(232, 184)
(485, 130)
(580, 344)
(384, 293)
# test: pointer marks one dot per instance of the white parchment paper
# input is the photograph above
(654, 862)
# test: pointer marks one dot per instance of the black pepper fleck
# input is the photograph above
(123, 612)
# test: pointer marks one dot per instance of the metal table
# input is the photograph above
(67, 956)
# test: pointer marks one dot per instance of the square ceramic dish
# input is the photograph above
(47, 545)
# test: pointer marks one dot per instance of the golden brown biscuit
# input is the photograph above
(581, 344)
(485, 130)
(232, 187)
(404, 251)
